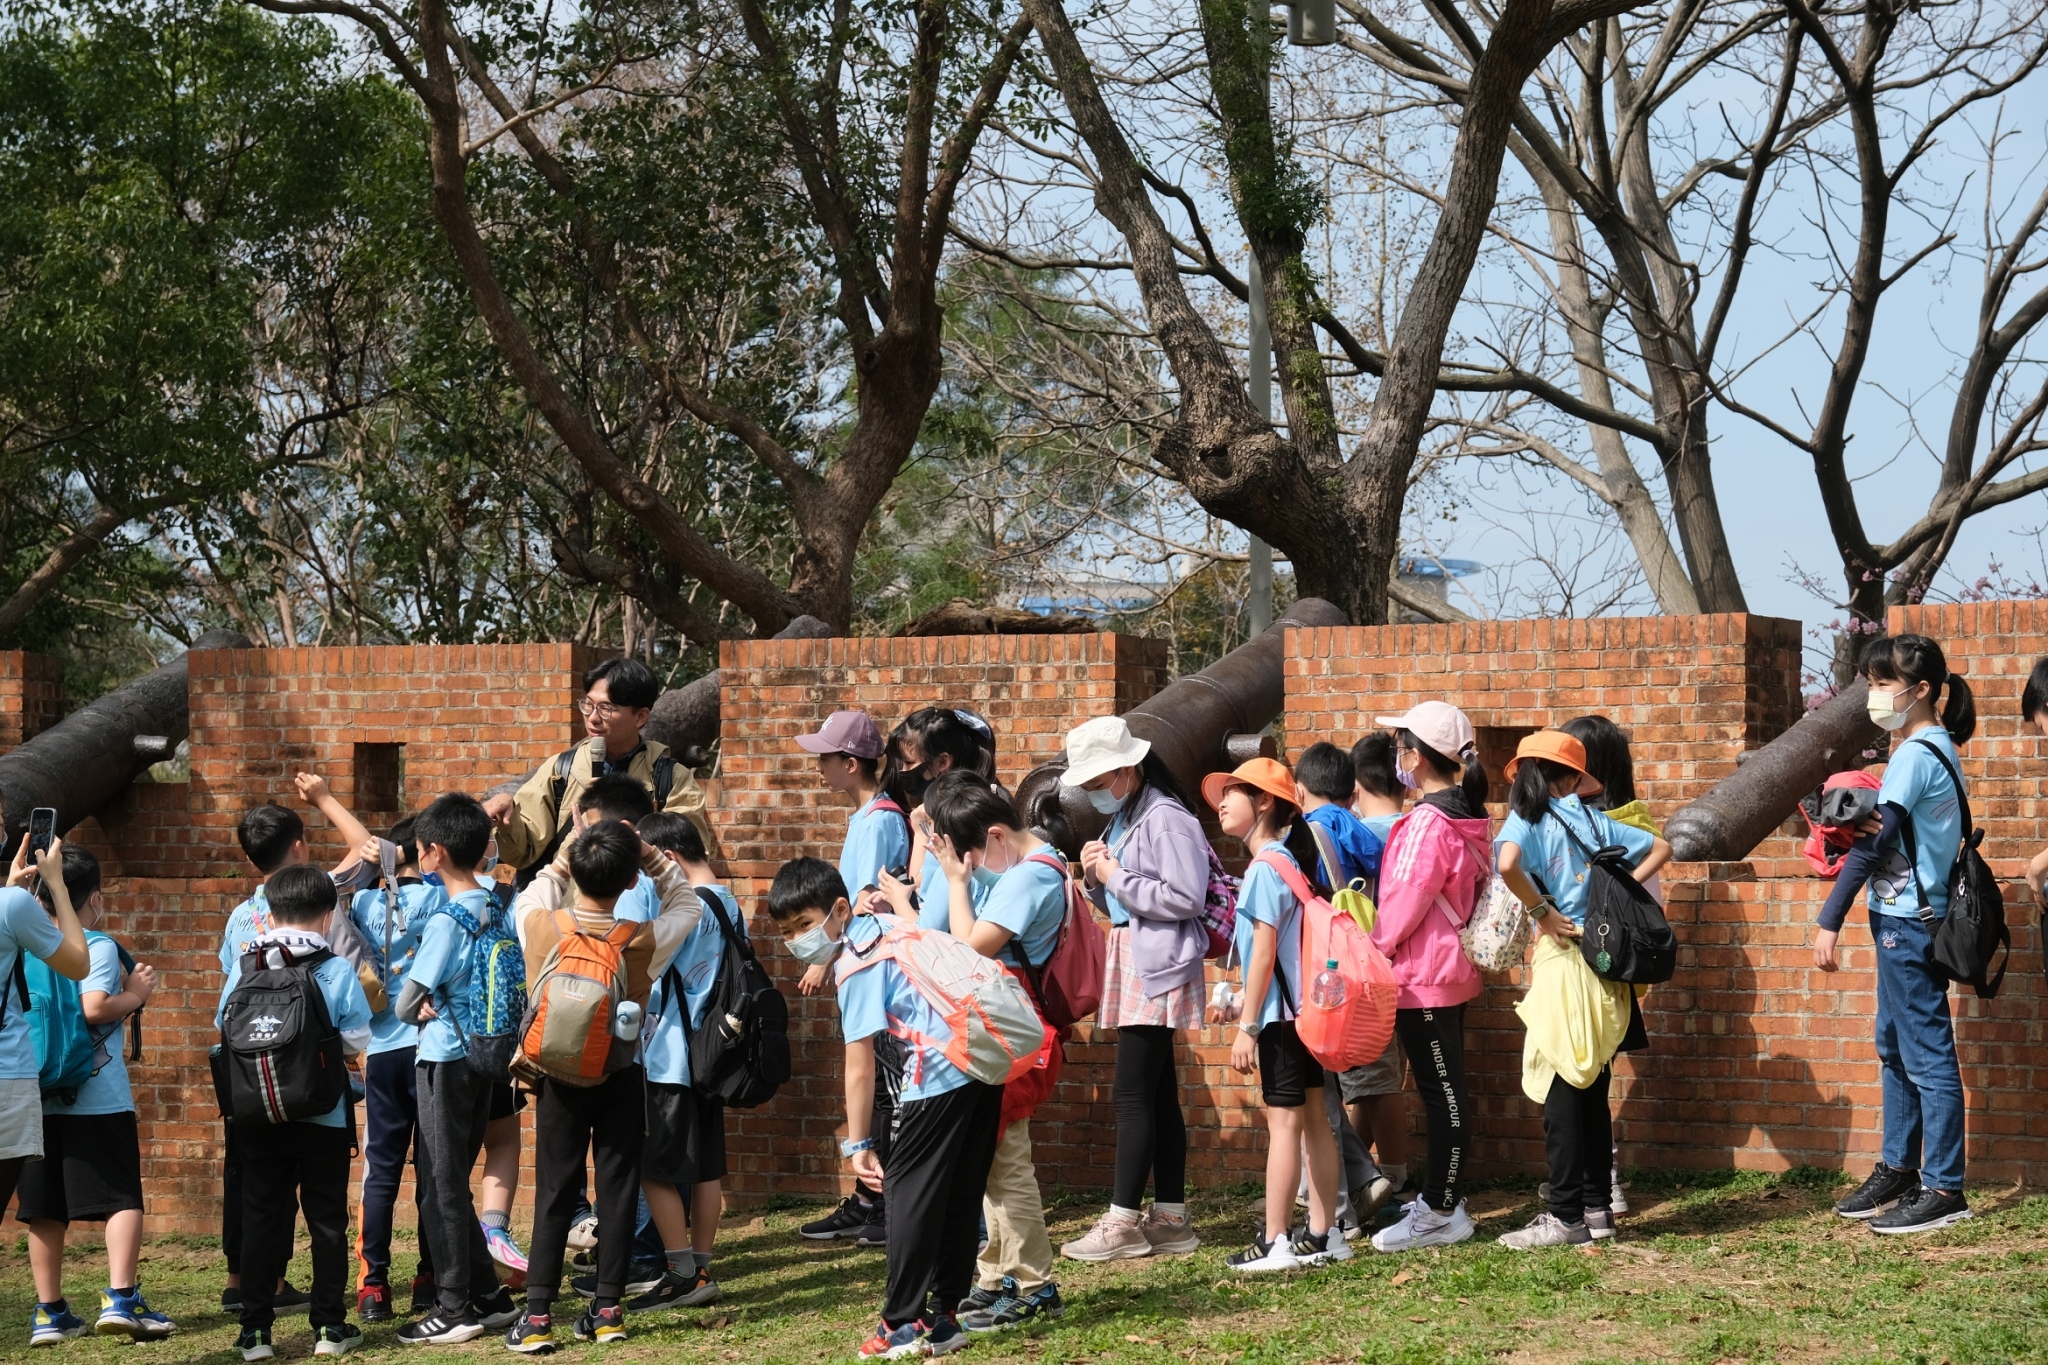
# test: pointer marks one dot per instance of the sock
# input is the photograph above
(127, 1293)
(683, 1262)
(1166, 1210)
(600, 1303)
(1396, 1171)
(59, 1306)
(491, 1218)
(538, 1306)
(703, 1259)
(1123, 1215)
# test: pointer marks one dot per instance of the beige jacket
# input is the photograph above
(537, 818)
(650, 950)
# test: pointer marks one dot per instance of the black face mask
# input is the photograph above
(912, 782)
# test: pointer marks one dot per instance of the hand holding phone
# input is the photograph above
(42, 829)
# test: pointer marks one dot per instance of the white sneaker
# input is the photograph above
(1617, 1202)
(583, 1233)
(1425, 1227)
(1600, 1222)
(1263, 1257)
(1546, 1229)
(1311, 1250)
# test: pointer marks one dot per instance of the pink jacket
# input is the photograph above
(1431, 855)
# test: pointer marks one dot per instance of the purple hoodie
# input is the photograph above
(1161, 885)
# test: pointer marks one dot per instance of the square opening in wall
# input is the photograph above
(380, 777)
(1497, 745)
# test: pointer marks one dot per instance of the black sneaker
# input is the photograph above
(874, 1233)
(337, 1339)
(607, 1327)
(847, 1220)
(1884, 1188)
(290, 1300)
(979, 1299)
(441, 1327)
(254, 1343)
(583, 1260)
(532, 1335)
(498, 1310)
(1924, 1210)
(425, 1297)
(702, 1290)
(373, 1303)
(231, 1299)
(667, 1292)
(641, 1278)
(1013, 1308)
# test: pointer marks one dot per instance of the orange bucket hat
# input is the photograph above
(1269, 775)
(1555, 745)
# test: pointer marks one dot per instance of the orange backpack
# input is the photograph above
(571, 1008)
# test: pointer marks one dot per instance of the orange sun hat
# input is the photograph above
(1555, 745)
(1269, 775)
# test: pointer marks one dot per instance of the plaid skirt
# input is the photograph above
(1124, 1001)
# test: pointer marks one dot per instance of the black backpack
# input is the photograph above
(281, 1054)
(1626, 937)
(1964, 943)
(741, 1055)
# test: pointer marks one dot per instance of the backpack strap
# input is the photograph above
(733, 937)
(1926, 914)
(664, 780)
(20, 975)
(1303, 893)
(387, 868)
(1326, 849)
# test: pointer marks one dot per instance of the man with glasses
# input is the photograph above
(618, 697)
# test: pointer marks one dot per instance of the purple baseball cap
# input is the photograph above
(845, 732)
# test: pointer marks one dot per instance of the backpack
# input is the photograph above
(490, 1019)
(1495, 937)
(1625, 937)
(280, 1050)
(1356, 1031)
(1068, 984)
(1967, 939)
(997, 1032)
(741, 1055)
(69, 1051)
(567, 1033)
(1351, 897)
(1828, 844)
(565, 766)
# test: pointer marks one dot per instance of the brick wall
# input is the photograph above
(31, 695)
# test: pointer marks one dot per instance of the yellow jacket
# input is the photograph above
(1575, 1019)
(537, 817)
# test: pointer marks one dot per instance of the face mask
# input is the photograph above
(1105, 801)
(814, 946)
(1884, 711)
(913, 782)
(490, 857)
(1406, 776)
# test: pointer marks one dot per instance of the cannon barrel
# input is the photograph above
(1743, 808)
(88, 759)
(1197, 725)
(686, 718)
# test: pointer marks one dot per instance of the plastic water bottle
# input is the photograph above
(626, 1024)
(1327, 991)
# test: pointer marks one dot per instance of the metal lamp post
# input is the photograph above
(1310, 23)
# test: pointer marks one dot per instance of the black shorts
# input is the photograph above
(1286, 1070)
(91, 1169)
(505, 1100)
(685, 1137)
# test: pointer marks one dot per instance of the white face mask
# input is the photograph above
(1884, 710)
(1406, 776)
(1105, 801)
(814, 946)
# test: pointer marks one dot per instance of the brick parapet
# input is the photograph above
(31, 695)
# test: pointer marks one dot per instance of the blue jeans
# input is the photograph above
(1916, 1047)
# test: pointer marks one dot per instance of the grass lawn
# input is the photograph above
(1712, 1267)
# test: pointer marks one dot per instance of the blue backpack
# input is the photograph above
(67, 1048)
(487, 1018)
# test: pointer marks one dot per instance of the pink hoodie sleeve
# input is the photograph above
(1419, 862)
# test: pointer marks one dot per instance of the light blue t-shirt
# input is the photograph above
(1265, 899)
(245, 922)
(347, 1008)
(664, 1045)
(935, 898)
(443, 964)
(641, 902)
(1549, 854)
(108, 1091)
(877, 838)
(1915, 781)
(870, 1001)
(389, 1033)
(24, 926)
(1030, 900)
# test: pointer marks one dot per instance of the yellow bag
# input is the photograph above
(1575, 1019)
(1353, 901)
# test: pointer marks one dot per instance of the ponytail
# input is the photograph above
(1297, 838)
(1467, 771)
(1529, 797)
(1917, 659)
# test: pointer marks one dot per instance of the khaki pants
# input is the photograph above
(1017, 1244)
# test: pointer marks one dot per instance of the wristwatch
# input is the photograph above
(1249, 1027)
(849, 1146)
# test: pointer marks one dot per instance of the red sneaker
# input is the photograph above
(373, 1303)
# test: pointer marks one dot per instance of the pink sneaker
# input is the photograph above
(1115, 1237)
(1169, 1235)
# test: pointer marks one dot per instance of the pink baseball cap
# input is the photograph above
(1440, 725)
(845, 732)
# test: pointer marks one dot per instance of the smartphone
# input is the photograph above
(42, 829)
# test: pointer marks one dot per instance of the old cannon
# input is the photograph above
(1743, 808)
(1198, 724)
(88, 759)
(686, 718)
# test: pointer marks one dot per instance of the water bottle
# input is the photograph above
(626, 1023)
(1223, 1005)
(1327, 993)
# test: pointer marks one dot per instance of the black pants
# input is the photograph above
(1151, 1134)
(390, 1117)
(1578, 1134)
(888, 1085)
(231, 1198)
(287, 1167)
(935, 1179)
(454, 1106)
(569, 1121)
(1434, 1040)
(10, 1176)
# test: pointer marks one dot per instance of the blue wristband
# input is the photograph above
(849, 1146)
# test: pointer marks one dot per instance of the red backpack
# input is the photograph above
(1068, 983)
